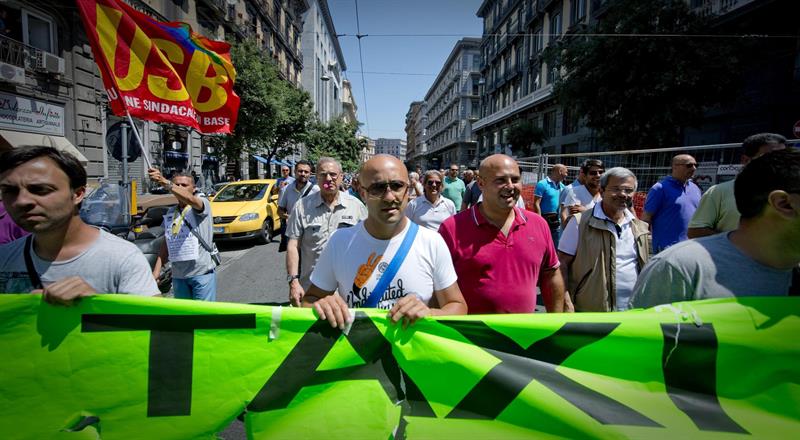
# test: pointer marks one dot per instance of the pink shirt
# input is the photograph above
(499, 274)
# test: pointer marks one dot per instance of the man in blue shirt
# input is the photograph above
(546, 197)
(671, 203)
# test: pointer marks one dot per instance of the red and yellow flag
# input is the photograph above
(158, 71)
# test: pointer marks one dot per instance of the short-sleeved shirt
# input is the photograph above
(353, 251)
(625, 251)
(672, 205)
(498, 273)
(312, 223)
(454, 190)
(580, 195)
(290, 195)
(549, 192)
(109, 265)
(472, 194)
(567, 191)
(202, 222)
(717, 209)
(430, 215)
(703, 268)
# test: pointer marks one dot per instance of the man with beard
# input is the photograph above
(63, 258)
(454, 187)
(671, 203)
(584, 197)
(291, 193)
(502, 253)
(602, 250)
(386, 261)
(312, 222)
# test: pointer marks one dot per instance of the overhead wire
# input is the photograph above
(361, 61)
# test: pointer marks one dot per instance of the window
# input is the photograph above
(550, 123)
(555, 26)
(537, 42)
(570, 121)
(577, 11)
(30, 28)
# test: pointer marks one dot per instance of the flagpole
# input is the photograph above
(145, 153)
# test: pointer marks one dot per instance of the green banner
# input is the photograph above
(118, 367)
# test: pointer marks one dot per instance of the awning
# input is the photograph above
(12, 139)
(273, 161)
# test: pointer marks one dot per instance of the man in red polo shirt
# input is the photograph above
(500, 252)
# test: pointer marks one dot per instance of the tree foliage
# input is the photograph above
(336, 139)
(273, 114)
(523, 135)
(644, 71)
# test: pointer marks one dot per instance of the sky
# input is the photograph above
(398, 69)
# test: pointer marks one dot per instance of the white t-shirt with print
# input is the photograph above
(351, 251)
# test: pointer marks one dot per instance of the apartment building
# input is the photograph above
(324, 61)
(394, 147)
(47, 68)
(452, 105)
(517, 85)
(349, 107)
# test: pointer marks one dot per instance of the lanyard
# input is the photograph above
(177, 222)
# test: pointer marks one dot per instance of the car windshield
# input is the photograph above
(242, 192)
(103, 207)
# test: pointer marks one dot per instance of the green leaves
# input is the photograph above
(646, 70)
(274, 115)
(336, 139)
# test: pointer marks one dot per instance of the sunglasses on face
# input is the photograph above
(378, 189)
(433, 183)
(596, 173)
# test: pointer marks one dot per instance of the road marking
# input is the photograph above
(236, 255)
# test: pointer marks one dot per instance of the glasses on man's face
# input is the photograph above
(433, 183)
(620, 189)
(378, 189)
(596, 173)
(323, 175)
(454, 169)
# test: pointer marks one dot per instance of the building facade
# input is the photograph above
(452, 105)
(323, 61)
(517, 85)
(47, 68)
(394, 147)
(412, 118)
(349, 107)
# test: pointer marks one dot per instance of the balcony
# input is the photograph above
(19, 54)
(720, 7)
(522, 104)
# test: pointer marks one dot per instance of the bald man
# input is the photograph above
(546, 196)
(671, 203)
(502, 252)
(414, 269)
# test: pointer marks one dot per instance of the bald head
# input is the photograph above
(558, 172)
(382, 164)
(496, 161)
(683, 167)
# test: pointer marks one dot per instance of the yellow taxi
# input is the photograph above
(245, 210)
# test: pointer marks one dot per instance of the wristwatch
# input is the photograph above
(291, 278)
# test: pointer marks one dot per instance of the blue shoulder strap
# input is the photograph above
(394, 266)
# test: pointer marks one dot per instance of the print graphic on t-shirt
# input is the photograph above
(365, 271)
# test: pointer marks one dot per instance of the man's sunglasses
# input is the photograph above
(378, 189)
(433, 183)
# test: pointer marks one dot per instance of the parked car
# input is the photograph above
(216, 188)
(245, 210)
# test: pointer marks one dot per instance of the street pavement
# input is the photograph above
(250, 273)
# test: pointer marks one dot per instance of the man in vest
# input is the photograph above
(603, 249)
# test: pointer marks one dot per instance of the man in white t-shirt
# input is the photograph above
(355, 258)
(584, 197)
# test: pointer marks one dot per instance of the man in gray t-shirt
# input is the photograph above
(67, 259)
(189, 238)
(754, 260)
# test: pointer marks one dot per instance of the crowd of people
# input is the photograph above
(436, 242)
